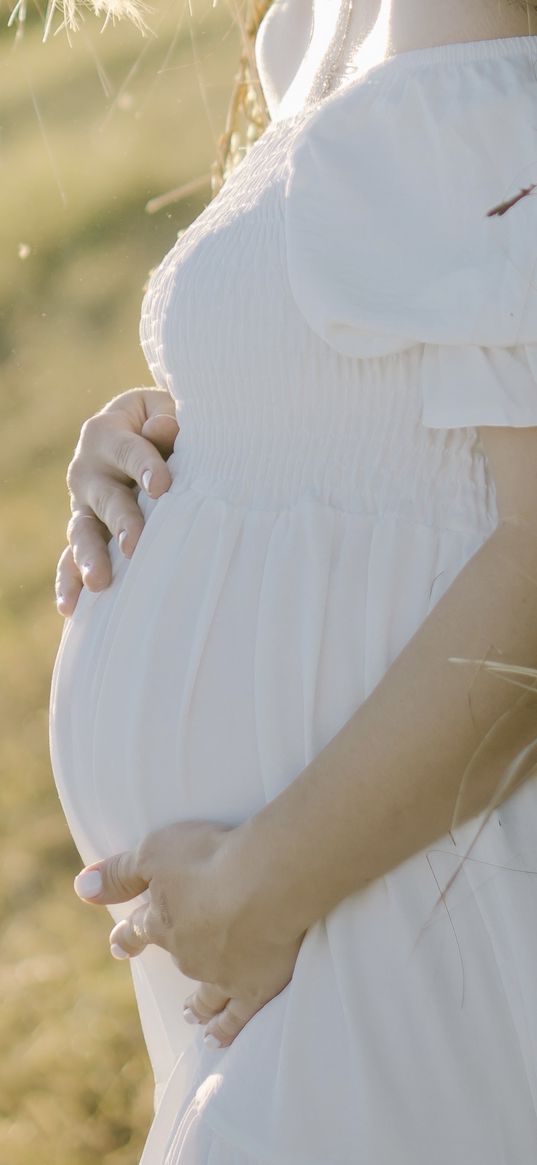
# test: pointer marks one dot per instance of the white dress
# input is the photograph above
(333, 326)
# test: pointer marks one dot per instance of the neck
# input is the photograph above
(376, 30)
(383, 28)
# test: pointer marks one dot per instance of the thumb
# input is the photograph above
(115, 879)
(161, 429)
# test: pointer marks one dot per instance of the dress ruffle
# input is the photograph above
(197, 1142)
(389, 243)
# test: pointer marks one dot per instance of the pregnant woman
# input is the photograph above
(267, 752)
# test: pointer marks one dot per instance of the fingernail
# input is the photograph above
(146, 480)
(190, 1016)
(121, 538)
(88, 884)
(211, 1041)
(118, 952)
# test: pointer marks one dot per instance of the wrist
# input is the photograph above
(259, 896)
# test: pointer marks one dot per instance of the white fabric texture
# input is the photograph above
(388, 238)
(332, 326)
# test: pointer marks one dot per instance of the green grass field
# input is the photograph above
(88, 134)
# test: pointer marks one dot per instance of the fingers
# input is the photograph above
(138, 459)
(88, 541)
(224, 1017)
(161, 429)
(142, 403)
(85, 562)
(131, 936)
(159, 402)
(112, 509)
(107, 493)
(115, 879)
(111, 448)
(68, 583)
(224, 1027)
(123, 445)
(204, 1003)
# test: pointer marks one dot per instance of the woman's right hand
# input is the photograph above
(123, 445)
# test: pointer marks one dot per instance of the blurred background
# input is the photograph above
(90, 131)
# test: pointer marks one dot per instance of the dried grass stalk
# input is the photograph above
(247, 115)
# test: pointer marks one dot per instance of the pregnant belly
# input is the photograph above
(226, 653)
(151, 709)
(217, 664)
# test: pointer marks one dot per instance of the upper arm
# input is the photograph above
(512, 458)
(280, 45)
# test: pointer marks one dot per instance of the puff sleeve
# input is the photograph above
(388, 239)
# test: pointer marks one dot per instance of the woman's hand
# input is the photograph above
(199, 910)
(124, 444)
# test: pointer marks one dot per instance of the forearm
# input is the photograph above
(388, 783)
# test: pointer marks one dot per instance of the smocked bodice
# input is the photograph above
(270, 413)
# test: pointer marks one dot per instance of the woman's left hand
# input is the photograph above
(199, 910)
